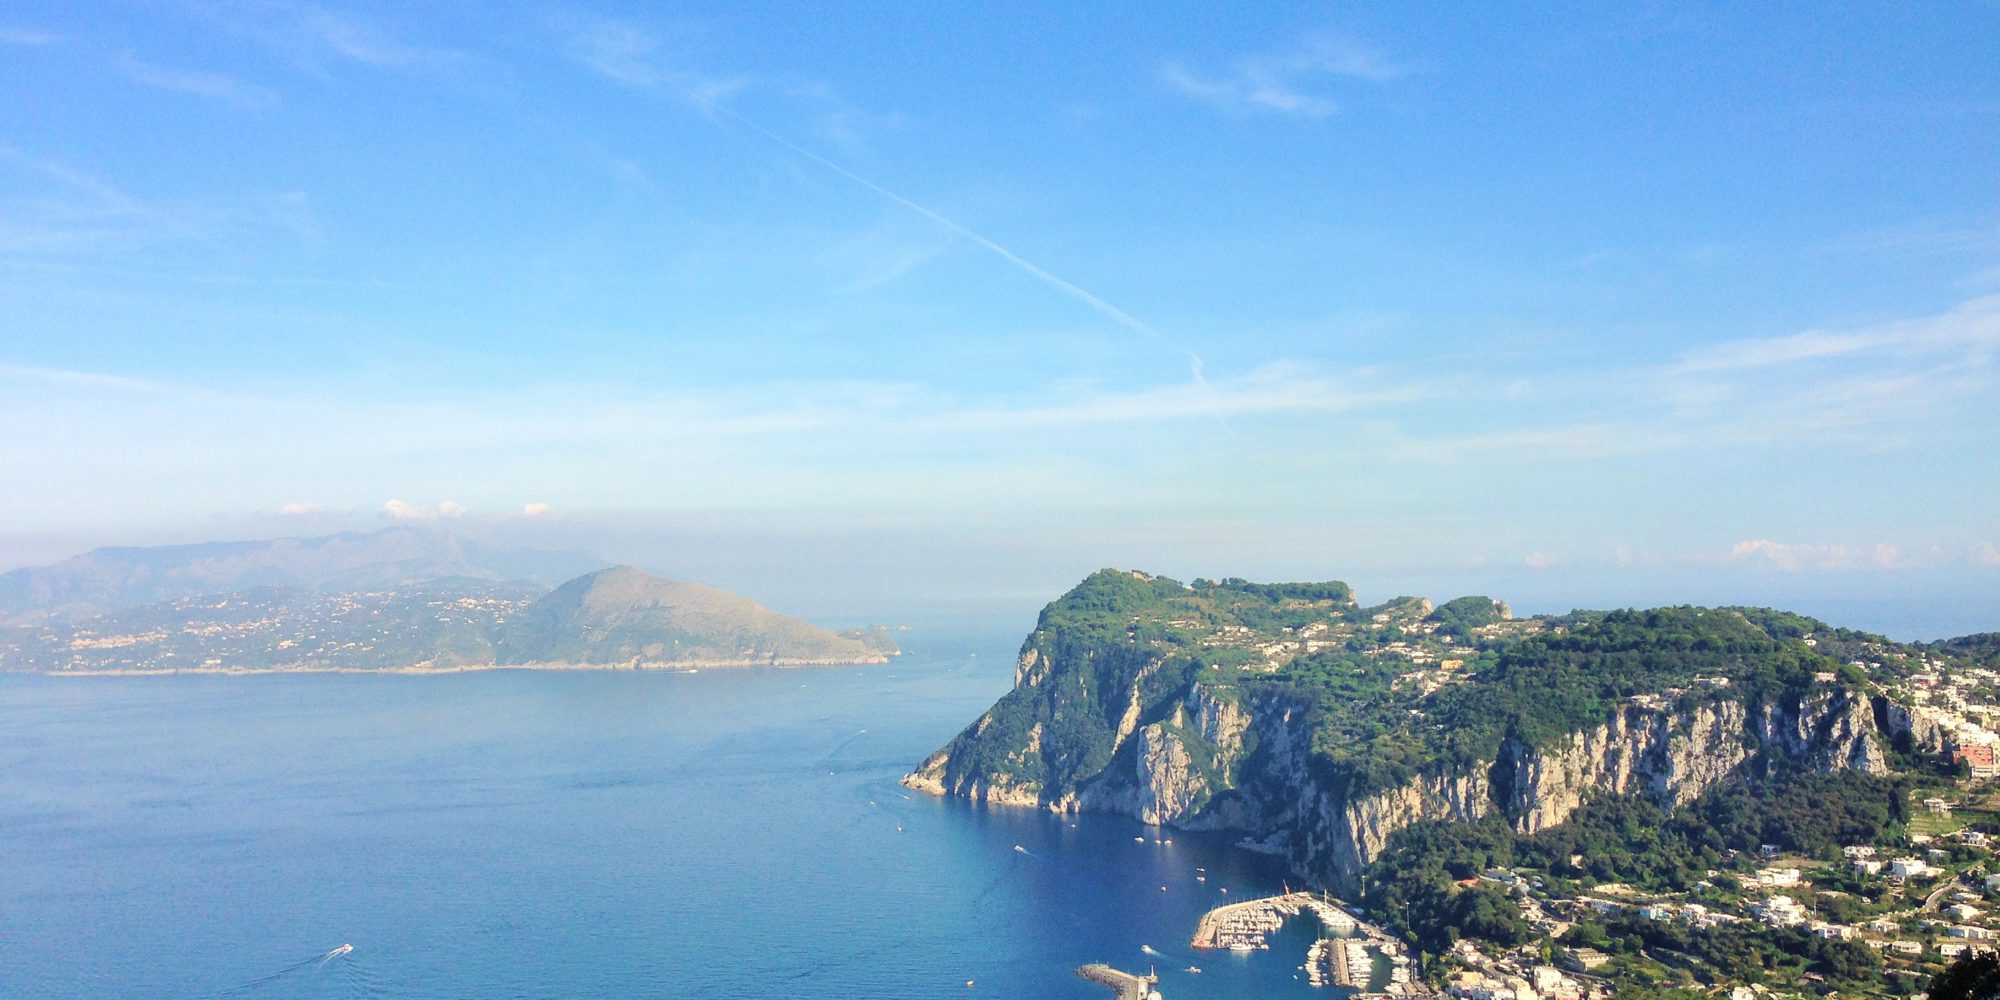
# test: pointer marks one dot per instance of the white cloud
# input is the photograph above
(27, 36)
(1986, 554)
(630, 55)
(1971, 326)
(536, 509)
(1791, 557)
(1538, 560)
(298, 509)
(1287, 83)
(400, 510)
(198, 82)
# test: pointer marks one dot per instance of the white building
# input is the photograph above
(1778, 877)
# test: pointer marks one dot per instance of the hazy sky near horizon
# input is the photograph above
(1639, 302)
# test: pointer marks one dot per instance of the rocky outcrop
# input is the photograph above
(1220, 720)
(1666, 704)
(1900, 722)
(1169, 788)
(1672, 756)
(1672, 753)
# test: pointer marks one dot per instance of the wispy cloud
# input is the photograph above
(1867, 389)
(361, 42)
(27, 36)
(312, 37)
(53, 212)
(625, 53)
(1293, 82)
(201, 83)
(1972, 326)
(399, 510)
(1795, 557)
(1790, 556)
(631, 55)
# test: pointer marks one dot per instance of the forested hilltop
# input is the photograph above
(1612, 786)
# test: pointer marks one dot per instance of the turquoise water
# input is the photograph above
(519, 834)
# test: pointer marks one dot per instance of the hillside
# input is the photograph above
(113, 579)
(621, 615)
(1397, 753)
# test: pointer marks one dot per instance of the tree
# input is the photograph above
(1973, 977)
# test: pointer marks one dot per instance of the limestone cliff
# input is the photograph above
(1122, 729)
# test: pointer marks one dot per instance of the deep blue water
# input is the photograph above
(521, 834)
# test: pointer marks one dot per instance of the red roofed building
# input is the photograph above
(1979, 758)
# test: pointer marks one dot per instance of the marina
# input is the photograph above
(1245, 926)
(1348, 959)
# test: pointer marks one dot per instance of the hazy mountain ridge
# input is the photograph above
(622, 615)
(112, 579)
(617, 617)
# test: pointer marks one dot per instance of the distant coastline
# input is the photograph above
(673, 666)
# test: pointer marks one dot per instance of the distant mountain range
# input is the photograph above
(400, 599)
(112, 579)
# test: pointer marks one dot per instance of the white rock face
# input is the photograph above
(1188, 769)
(1168, 787)
(1674, 758)
(1219, 720)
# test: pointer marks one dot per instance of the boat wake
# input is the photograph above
(348, 975)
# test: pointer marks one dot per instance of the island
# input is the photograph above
(1679, 801)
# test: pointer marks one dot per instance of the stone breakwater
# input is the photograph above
(1126, 985)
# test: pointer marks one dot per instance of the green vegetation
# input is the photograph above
(1460, 617)
(1385, 694)
(1428, 889)
(1975, 976)
(1982, 648)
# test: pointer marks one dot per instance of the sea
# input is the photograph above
(726, 833)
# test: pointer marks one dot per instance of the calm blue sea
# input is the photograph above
(516, 834)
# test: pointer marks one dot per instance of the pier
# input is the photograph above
(1125, 984)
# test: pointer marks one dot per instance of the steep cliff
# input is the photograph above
(1324, 728)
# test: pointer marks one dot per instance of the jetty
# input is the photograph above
(1125, 984)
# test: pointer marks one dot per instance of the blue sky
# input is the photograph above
(1571, 304)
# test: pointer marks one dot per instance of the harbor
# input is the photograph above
(1125, 985)
(1356, 955)
(1246, 926)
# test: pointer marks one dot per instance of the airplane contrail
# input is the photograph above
(1108, 310)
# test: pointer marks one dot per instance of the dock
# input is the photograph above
(1125, 984)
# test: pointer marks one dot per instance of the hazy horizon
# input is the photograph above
(855, 311)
